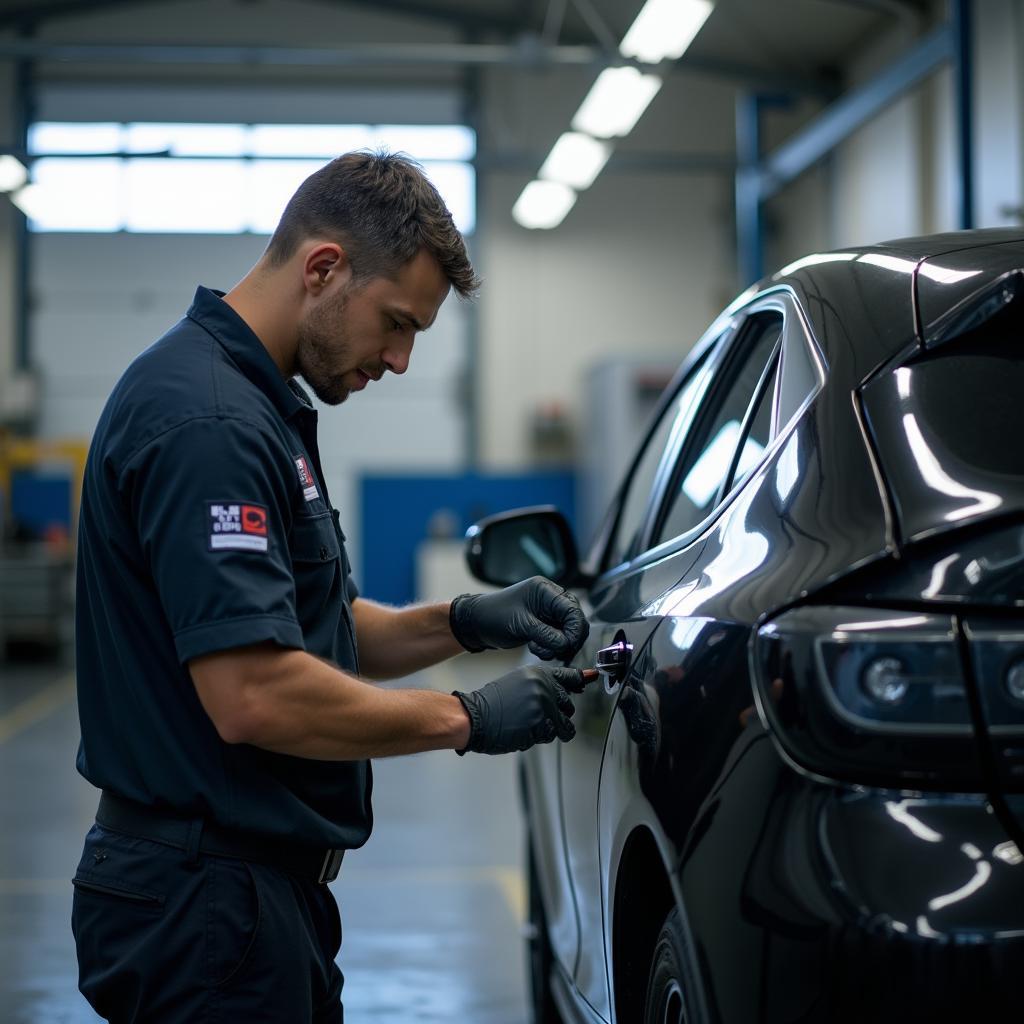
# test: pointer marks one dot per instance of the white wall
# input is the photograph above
(999, 113)
(894, 177)
(641, 264)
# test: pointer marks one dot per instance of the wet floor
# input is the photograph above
(431, 906)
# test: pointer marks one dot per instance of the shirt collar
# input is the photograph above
(214, 315)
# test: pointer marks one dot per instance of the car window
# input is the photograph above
(800, 377)
(758, 430)
(671, 426)
(706, 460)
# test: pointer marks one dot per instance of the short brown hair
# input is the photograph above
(383, 209)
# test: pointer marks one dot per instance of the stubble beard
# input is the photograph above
(322, 346)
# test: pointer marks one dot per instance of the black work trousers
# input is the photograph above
(166, 938)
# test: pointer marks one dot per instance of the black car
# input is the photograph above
(797, 793)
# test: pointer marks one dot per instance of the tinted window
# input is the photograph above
(759, 430)
(800, 376)
(705, 461)
(674, 421)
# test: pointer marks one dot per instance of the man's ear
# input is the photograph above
(324, 264)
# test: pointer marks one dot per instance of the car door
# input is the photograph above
(625, 527)
(622, 607)
(692, 689)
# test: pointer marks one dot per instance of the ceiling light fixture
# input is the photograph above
(543, 204)
(615, 102)
(13, 173)
(664, 29)
(30, 199)
(575, 160)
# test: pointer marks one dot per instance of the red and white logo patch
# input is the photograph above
(309, 491)
(237, 526)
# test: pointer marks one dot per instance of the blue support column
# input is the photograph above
(963, 70)
(749, 216)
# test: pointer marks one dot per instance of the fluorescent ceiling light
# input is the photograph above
(29, 200)
(615, 102)
(576, 160)
(664, 29)
(543, 204)
(13, 173)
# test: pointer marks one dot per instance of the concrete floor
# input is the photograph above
(431, 907)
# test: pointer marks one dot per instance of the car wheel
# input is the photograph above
(539, 956)
(666, 986)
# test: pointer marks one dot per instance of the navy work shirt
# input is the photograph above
(206, 525)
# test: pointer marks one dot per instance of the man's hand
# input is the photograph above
(527, 706)
(535, 612)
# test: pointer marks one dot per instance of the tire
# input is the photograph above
(666, 983)
(539, 956)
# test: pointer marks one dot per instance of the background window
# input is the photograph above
(214, 178)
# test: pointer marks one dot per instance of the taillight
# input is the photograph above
(869, 696)
(997, 660)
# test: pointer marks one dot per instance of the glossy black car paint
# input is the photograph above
(804, 897)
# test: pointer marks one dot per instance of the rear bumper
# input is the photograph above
(837, 904)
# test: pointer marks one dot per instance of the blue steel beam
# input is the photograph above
(749, 211)
(963, 70)
(838, 121)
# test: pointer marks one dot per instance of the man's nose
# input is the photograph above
(397, 359)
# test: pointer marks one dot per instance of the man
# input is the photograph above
(221, 640)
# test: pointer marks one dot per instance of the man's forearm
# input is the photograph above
(396, 642)
(293, 703)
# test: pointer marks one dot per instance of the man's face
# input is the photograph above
(356, 332)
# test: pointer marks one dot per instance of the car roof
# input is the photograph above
(866, 294)
(923, 247)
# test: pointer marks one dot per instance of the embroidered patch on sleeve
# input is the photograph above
(237, 526)
(309, 491)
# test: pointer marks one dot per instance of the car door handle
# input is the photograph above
(614, 661)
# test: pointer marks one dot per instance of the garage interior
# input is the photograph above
(783, 129)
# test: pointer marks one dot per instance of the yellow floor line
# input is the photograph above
(36, 708)
(512, 888)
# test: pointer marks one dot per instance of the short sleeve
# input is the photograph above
(210, 500)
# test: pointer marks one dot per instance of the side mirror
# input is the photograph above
(512, 546)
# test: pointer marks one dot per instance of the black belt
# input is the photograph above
(198, 836)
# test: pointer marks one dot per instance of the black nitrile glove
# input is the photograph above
(524, 707)
(536, 611)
